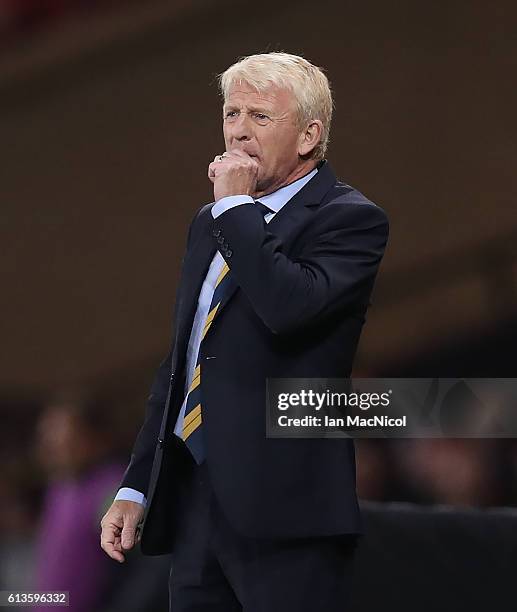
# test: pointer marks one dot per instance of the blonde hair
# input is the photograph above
(307, 82)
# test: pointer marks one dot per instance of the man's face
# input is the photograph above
(264, 125)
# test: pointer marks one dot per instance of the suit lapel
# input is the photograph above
(300, 207)
(195, 268)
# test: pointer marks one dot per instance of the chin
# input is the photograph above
(265, 183)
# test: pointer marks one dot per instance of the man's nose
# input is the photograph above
(241, 128)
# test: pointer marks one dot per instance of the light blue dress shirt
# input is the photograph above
(275, 201)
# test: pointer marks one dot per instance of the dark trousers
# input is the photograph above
(216, 569)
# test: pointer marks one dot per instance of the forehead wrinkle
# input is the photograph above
(257, 103)
(270, 101)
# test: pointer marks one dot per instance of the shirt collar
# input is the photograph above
(279, 198)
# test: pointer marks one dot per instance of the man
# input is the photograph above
(275, 283)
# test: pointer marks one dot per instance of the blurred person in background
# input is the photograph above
(376, 478)
(77, 449)
(20, 490)
(456, 472)
(19, 497)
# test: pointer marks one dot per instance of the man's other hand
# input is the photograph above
(119, 528)
(233, 173)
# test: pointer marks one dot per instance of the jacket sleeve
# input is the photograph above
(138, 472)
(335, 269)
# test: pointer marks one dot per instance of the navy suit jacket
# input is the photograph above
(302, 286)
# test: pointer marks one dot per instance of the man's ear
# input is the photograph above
(310, 137)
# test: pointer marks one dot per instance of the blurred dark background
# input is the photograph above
(109, 116)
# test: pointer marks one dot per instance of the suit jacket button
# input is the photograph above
(220, 240)
(216, 233)
(228, 253)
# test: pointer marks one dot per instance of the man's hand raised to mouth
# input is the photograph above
(233, 173)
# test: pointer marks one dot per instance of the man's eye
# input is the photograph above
(261, 117)
(230, 114)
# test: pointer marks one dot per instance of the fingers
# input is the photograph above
(212, 171)
(233, 173)
(215, 166)
(228, 159)
(239, 153)
(219, 165)
(119, 528)
(228, 155)
(128, 536)
(221, 158)
(110, 542)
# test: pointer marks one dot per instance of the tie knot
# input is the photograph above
(263, 208)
